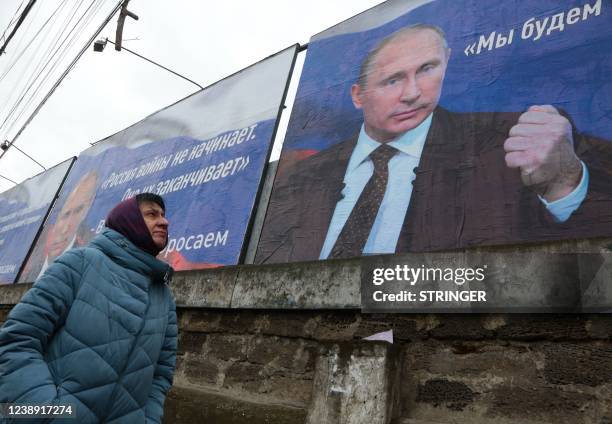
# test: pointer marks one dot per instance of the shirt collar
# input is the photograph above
(410, 143)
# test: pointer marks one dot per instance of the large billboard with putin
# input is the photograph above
(437, 125)
(204, 155)
(23, 210)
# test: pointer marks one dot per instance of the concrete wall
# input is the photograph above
(460, 369)
(259, 366)
(283, 344)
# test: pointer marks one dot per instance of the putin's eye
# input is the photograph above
(391, 81)
(428, 67)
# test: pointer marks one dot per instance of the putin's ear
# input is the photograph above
(356, 95)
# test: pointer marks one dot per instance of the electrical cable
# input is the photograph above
(50, 55)
(30, 42)
(30, 157)
(22, 17)
(23, 31)
(8, 179)
(31, 81)
(45, 35)
(57, 36)
(54, 66)
(58, 82)
(12, 20)
(157, 64)
(57, 57)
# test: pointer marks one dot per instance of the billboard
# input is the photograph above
(23, 209)
(205, 155)
(437, 125)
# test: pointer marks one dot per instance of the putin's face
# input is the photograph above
(71, 215)
(403, 85)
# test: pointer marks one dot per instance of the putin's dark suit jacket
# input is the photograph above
(463, 195)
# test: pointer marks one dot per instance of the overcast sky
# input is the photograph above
(108, 91)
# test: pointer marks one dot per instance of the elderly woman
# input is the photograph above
(97, 331)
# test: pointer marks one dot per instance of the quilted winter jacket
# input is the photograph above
(98, 331)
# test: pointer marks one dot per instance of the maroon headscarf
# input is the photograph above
(126, 219)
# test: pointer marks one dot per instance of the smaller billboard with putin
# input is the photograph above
(205, 155)
(432, 125)
(23, 210)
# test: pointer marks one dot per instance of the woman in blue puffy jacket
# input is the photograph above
(97, 331)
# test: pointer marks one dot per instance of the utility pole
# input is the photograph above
(120, 21)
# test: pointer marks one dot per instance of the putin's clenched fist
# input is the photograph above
(542, 147)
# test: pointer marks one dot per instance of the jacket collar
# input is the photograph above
(127, 254)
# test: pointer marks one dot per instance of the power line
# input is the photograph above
(25, 29)
(157, 64)
(53, 55)
(61, 78)
(30, 42)
(56, 57)
(30, 157)
(49, 51)
(12, 20)
(18, 24)
(30, 81)
(8, 179)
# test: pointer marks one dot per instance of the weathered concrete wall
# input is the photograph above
(460, 369)
(4, 310)
(241, 366)
(257, 345)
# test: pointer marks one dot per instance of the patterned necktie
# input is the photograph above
(355, 233)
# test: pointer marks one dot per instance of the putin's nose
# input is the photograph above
(410, 91)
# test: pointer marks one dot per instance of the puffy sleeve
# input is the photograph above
(24, 374)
